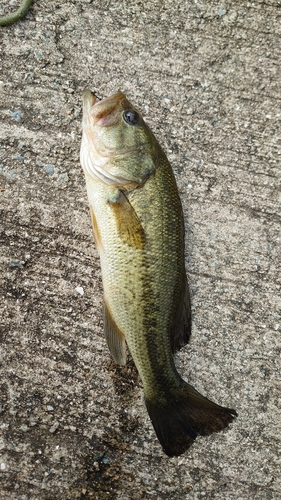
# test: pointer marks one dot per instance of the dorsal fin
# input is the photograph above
(180, 329)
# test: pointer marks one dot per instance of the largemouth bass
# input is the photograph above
(138, 228)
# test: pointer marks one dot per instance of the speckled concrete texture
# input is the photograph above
(206, 75)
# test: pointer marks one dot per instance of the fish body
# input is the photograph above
(138, 228)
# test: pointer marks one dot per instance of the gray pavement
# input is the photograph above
(206, 75)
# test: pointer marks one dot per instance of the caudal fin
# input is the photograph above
(178, 419)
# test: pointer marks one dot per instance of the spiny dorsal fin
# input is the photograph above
(114, 337)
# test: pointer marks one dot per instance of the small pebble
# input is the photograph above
(16, 115)
(54, 427)
(16, 263)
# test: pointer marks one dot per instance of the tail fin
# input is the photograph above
(178, 419)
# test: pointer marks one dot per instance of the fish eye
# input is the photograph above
(131, 117)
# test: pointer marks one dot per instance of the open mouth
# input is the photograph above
(103, 112)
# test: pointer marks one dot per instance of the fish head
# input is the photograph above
(115, 138)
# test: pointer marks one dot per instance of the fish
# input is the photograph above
(138, 228)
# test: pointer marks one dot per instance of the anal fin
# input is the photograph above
(114, 337)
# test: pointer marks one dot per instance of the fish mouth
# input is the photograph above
(89, 99)
(103, 112)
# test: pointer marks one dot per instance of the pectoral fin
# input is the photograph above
(114, 338)
(128, 224)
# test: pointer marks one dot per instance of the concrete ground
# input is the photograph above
(206, 75)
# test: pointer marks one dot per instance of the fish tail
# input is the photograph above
(185, 413)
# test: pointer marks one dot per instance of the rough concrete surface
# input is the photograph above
(206, 75)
